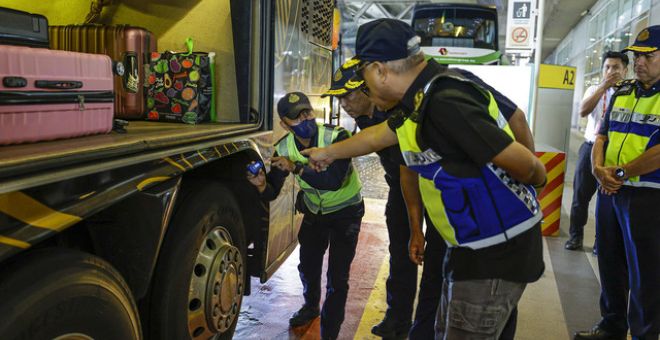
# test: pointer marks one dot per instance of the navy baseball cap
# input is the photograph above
(648, 40)
(292, 104)
(385, 40)
(342, 84)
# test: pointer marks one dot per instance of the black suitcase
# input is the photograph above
(21, 28)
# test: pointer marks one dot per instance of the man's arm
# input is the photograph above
(591, 99)
(366, 141)
(520, 129)
(604, 175)
(647, 162)
(413, 199)
(521, 164)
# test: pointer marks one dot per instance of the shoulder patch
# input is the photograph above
(625, 87)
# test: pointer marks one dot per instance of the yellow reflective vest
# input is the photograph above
(323, 201)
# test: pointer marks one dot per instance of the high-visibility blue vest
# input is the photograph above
(323, 201)
(634, 128)
(475, 212)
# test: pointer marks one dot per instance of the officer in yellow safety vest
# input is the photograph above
(332, 206)
(626, 163)
(476, 182)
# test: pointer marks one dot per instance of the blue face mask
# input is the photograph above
(305, 129)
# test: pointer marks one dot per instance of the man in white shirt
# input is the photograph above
(594, 105)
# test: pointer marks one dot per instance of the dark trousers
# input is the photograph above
(317, 232)
(584, 187)
(401, 284)
(430, 291)
(628, 228)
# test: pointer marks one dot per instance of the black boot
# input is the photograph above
(390, 328)
(304, 316)
(598, 333)
(574, 243)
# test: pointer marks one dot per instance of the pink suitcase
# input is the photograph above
(49, 94)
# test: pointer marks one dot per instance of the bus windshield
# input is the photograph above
(457, 27)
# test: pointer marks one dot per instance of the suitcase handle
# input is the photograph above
(58, 84)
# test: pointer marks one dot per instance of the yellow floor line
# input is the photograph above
(374, 311)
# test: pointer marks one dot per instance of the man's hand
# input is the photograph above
(416, 248)
(609, 183)
(611, 79)
(259, 181)
(319, 158)
(283, 163)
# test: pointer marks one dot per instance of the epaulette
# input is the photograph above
(624, 87)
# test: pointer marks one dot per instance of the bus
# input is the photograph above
(458, 33)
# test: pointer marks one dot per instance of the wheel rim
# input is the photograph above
(216, 286)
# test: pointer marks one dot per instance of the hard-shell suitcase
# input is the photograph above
(48, 94)
(126, 44)
(21, 28)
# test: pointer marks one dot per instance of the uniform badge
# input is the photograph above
(293, 98)
(643, 35)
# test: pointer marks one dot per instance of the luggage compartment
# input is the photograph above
(47, 94)
(126, 44)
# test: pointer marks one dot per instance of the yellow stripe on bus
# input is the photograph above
(175, 164)
(14, 242)
(150, 180)
(30, 211)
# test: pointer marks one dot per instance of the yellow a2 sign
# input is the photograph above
(557, 77)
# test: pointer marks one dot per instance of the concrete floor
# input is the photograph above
(564, 300)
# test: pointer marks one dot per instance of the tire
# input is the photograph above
(65, 294)
(197, 289)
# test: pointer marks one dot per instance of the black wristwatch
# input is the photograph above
(298, 168)
(620, 173)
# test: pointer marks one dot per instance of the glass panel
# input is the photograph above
(602, 18)
(593, 25)
(639, 7)
(612, 11)
(587, 63)
(596, 56)
(621, 38)
(625, 8)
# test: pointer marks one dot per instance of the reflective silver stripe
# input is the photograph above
(649, 119)
(501, 121)
(327, 136)
(500, 238)
(421, 158)
(639, 118)
(621, 117)
(518, 189)
(642, 184)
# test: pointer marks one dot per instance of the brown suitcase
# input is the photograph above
(129, 45)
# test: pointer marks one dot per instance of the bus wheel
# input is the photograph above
(65, 294)
(200, 277)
